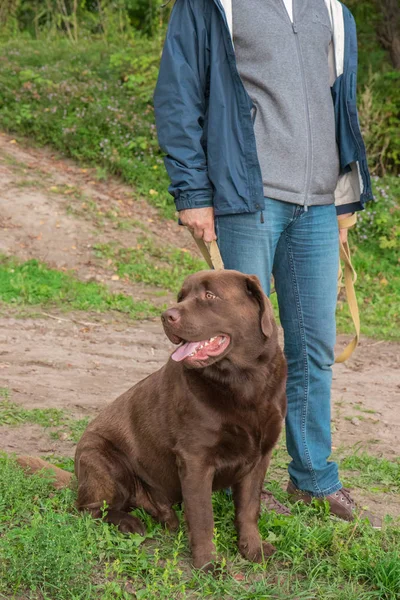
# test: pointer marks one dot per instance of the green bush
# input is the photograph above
(379, 109)
(75, 19)
(92, 101)
(379, 223)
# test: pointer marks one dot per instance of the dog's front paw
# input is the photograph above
(257, 553)
(206, 563)
(171, 522)
(130, 524)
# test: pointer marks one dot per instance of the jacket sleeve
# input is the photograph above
(354, 184)
(180, 106)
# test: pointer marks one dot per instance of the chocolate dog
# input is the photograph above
(207, 420)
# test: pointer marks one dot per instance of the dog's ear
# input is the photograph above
(254, 289)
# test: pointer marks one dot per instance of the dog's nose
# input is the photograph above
(172, 315)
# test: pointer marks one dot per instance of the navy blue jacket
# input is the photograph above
(204, 115)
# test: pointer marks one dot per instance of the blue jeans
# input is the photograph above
(300, 248)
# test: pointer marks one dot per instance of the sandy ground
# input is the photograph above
(81, 362)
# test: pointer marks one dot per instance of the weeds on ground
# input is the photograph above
(48, 550)
(58, 421)
(149, 263)
(47, 91)
(372, 473)
(32, 283)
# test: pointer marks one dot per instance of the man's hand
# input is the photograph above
(343, 232)
(200, 221)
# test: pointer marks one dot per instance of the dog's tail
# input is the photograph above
(32, 464)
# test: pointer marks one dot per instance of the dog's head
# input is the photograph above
(219, 314)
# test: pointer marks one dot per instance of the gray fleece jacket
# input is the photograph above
(285, 70)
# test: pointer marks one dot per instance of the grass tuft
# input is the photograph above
(49, 551)
(33, 283)
(148, 263)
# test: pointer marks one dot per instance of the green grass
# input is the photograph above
(378, 293)
(4, 393)
(47, 91)
(372, 473)
(14, 415)
(149, 263)
(33, 284)
(375, 245)
(60, 422)
(49, 551)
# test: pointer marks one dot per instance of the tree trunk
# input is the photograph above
(389, 29)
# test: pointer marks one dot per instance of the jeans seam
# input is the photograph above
(331, 490)
(306, 366)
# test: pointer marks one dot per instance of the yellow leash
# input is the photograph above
(211, 253)
(350, 277)
(212, 256)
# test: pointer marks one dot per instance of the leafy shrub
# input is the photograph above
(74, 18)
(379, 110)
(380, 222)
(92, 102)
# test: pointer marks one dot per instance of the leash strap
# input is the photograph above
(212, 256)
(211, 253)
(350, 277)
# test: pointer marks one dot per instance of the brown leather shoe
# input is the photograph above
(269, 501)
(341, 504)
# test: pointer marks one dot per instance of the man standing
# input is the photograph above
(255, 109)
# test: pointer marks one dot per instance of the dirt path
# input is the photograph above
(82, 364)
(54, 211)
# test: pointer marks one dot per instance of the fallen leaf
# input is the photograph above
(115, 277)
(58, 225)
(383, 281)
(239, 577)
(13, 142)
(53, 188)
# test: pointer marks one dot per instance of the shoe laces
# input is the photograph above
(344, 496)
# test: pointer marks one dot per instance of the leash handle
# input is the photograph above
(211, 253)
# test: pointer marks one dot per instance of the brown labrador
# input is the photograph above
(207, 420)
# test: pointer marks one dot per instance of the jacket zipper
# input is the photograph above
(306, 105)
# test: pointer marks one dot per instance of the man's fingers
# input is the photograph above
(209, 233)
(198, 232)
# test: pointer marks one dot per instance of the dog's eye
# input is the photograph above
(210, 296)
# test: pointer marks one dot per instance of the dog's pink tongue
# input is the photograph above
(184, 350)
